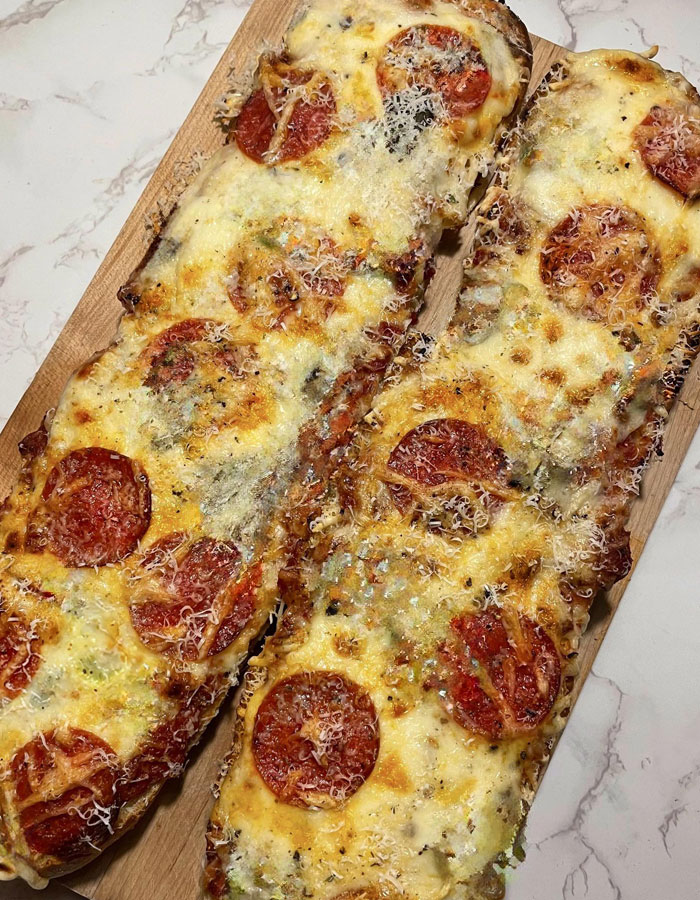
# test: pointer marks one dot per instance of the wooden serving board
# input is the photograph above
(162, 858)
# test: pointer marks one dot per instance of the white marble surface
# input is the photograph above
(91, 93)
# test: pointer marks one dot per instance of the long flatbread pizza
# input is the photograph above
(142, 541)
(392, 731)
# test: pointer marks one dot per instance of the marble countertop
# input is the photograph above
(91, 94)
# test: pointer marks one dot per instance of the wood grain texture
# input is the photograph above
(162, 858)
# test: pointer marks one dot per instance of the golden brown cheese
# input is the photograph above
(450, 568)
(132, 578)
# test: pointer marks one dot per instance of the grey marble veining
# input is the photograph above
(91, 94)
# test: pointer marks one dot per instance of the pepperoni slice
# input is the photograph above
(443, 450)
(291, 115)
(171, 359)
(315, 739)
(255, 126)
(435, 60)
(20, 652)
(502, 673)
(94, 509)
(304, 272)
(241, 599)
(194, 605)
(313, 268)
(64, 792)
(599, 262)
(668, 140)
(461, 473)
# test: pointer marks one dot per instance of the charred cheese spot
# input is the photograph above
(553, 330)
(151, 298)
(524, 567)
(553, 376)
(636, 68)
(86, 370)
(347, 644)
(410, 270)
(13, 542)
(521, 355)
(365, 893)
(292, 279)
(580, 397)
(82, 417)
(504, 227)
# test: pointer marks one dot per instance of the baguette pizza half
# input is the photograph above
(142, 541)
(392, 731)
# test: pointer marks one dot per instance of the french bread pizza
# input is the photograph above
(391, 732)
(142, 541)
